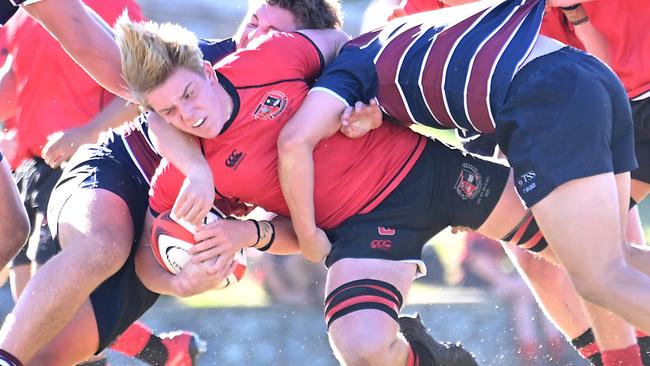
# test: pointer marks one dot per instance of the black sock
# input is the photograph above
(154, 353)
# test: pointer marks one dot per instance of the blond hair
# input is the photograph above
(151, 52)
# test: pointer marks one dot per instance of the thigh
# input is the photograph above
(75, 343)
(550, 142)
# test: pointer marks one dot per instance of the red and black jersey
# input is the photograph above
(267, 85)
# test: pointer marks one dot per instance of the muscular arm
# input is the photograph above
(195, 198)
(61, 145)
(86, 37)
(316, 119)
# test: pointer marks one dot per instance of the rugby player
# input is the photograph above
(115, 178)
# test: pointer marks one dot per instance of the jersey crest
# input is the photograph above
(271, 106)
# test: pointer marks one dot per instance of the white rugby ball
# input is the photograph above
(171, 240)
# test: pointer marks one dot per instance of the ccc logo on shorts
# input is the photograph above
(381, 244)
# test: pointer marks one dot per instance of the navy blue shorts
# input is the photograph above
(122, 298)
(36, 180)
(446, 187)
(641, 116)
(566, 116)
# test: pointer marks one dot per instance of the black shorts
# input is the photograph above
(122, 298)
(36, 180)
(446, 187)
(641, 116)
(566, 116)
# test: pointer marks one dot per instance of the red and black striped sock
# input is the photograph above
(628, 356)
(586, 346)
(140, 342)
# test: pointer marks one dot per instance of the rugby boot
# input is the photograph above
(442, 354)
(183, 348)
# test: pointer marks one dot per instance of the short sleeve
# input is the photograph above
(351, 77)
(165, 186)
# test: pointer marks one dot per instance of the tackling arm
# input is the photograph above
(296, 144)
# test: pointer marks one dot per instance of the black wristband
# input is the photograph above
(572, 7)
(268, 245)
(257, 227)
(580, 21)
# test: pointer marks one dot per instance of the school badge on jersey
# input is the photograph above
(469, 182)
(271, 106)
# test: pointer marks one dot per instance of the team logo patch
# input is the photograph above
(234, 159)
(469, 182)
(381, 244)
(271, 106)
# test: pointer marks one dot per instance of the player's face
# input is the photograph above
(263, 20)
(193, 103)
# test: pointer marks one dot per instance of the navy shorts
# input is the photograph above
(566, 116)
(445, 187)
(122, 298)
(641, 116)
(36, 180)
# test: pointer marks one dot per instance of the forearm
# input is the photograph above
(296, 173)
(85, 37)
(113, 115)
(152, 275)
(285, 240)
(593, 40)
(178, 147)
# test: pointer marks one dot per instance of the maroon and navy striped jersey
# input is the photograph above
(448, 68)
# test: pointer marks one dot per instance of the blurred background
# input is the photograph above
(274, 316)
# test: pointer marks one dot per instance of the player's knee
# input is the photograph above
(16, 232)
(594, 284)
(102, 254)
(349, 310)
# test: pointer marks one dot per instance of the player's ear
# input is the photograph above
(209, 72)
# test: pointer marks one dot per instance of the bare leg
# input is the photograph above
(95, 231)
(585, 232)
(14, 224)
(79, 338)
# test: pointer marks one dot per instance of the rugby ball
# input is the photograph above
(172, 239)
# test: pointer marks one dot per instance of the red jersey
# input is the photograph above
(624, 23)
(53, 92)
(267, 85)
(408, 7)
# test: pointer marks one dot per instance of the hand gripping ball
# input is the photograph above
(171, 239)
